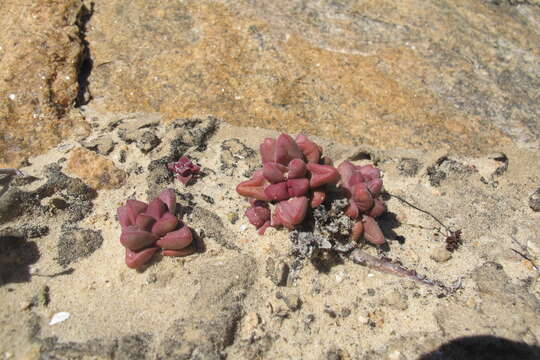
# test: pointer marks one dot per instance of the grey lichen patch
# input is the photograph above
(194, 132)
(77, 243)
(329, 233)
(15, 202)
(445, 167)
(147, 141)
(408, 166)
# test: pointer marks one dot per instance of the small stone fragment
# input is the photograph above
(397, 300)
(95, 170)
(440, 255)
(103, 145)
(59, 317)
(293, 302)
(534, 200)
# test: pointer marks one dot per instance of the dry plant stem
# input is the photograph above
(421, 210)
(360, 257)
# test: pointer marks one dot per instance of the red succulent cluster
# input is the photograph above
(184, 169)
(149, 227)
(296, 177)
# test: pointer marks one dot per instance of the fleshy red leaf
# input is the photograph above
(357, 230)
(274, 172)
(375, 186)
(317, 198)
(136, 239)
(297, 169)
(286, 150)
(169, 198)
(123, 216)
(145, 222)
(297, 187)
(176, 240)
(322, 174)
(156, 208)
(378, 208)
(277, 192)
(362, 197)
(291, 212)
(311, 150)
(254, 187)
(167, 223)
(372, 231)
(267, 150)
(180, 252)
(258, 215)
(370, 172)
(136, 259)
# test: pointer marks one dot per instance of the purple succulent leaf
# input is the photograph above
(322, 175)
(369, 172)
(290, 213)
(123, 216)
(156, 208)
(372, 231)
(317, 198)
(135, 260)
(286, 150)
(297, 187)
(180, 252)
(346, 170)
(254, 187)
(357, 230)
(176, 240)
(268, 149)
(135, 239)
(167, 223)
(144, 222)
(136, 206)
(277, 192)
(274, 172)
(362, 197)
(263, 228)
(352, 210)
(311, 150)
(169, 198)
(297, 169)
(378, 208)
(258, 215)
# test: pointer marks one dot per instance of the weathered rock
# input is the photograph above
(147, 141)
(419, 74)
(103, 144)
(40, 61)
(95, 170)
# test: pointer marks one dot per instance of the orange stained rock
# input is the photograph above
(95, 170)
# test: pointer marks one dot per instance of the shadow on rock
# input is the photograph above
(483, 348)
(16, 256)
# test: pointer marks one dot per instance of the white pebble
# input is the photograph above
(59, 317)
(370, 275)
(12, 96)
(243, 227)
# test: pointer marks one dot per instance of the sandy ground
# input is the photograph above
(226, 301)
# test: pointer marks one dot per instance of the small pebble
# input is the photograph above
(440, 255)
(243, 227)
(59, 317)
(534, 200)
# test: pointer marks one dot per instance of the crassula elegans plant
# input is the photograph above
(147, 228)
(295, 177)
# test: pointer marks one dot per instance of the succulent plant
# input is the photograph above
(296, 178)
(146, 228)
(184, 169)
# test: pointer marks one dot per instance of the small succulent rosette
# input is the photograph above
(146, 228)
(184, 169)
(295, 177)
